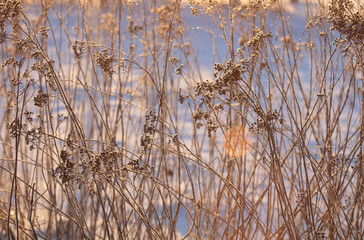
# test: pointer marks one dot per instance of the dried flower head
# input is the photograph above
(105, 61)
(41, 98)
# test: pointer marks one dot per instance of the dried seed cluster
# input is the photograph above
(347, 22)
(43, 32)
(106, 162)
(149, 129)
(41, 98)
(24, 45)
(133, 28)
(79, 48)
(169, 22)
(16, 128)
(266, 120)
(32, 137)
(8, 9)
(228, 78)
(104, 165)
(174, 61)
(105, 61)
(258, 38)
(65, 170)
(32, 134)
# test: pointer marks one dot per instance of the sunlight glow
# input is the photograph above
(238, 141)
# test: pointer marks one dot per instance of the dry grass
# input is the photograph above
(110, 130)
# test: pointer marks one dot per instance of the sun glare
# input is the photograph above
(238, 141)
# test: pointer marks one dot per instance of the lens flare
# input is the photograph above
(238, 141)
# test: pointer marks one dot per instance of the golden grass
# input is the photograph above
(113, 127)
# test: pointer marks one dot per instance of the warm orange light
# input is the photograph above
(238, 141)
